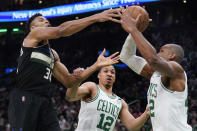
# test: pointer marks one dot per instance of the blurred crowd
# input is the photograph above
(82, 49)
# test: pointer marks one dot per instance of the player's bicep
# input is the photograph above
(41, 33)
(81, 92)
(85, 90)
(60, 72)
(45, 33)
(169, 68)
(147, 71)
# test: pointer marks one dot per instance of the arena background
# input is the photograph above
(173, 21)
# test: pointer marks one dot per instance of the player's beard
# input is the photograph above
(108, 85)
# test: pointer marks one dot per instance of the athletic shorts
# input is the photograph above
(30, 112)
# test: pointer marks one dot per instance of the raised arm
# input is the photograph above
(86, 89)
(136, 63)
(129, 121)
(61, 73)
(68, 28)
(170, 69)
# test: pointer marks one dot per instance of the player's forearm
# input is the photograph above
(145, 48)
(128, 56)
(88, 71)
(70, 27)
(85, 74)
(128, 49)
(139, 122)
(72, 92)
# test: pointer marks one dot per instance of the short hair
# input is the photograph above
(28, 24)
(178, 50)
(103, 67)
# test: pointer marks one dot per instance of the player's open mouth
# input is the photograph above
(109, 79)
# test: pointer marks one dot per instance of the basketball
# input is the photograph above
(143, 22)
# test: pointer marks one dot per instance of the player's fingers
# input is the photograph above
(123, 9)
(115, 61)
(150, 20)
(115, 20)
(144, 6)
(120, 13)
(115, 15)
(138, 17)
(114, 10)
(117, 58)
(113, 55)
(103, 52)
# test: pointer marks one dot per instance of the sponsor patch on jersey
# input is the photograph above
(41, 58)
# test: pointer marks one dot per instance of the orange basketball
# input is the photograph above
(144, 18)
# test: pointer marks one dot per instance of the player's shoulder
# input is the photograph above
(176, 66)
(124, 104)
(89, 84)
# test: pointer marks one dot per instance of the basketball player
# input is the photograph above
(167, 94)
(30, 107)
(100, 107)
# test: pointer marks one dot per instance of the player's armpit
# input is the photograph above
(147, 71)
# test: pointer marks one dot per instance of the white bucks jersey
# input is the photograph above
(168, 109)
(99, 114)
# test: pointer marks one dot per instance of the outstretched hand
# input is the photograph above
(105, 61)
(77, 72)
(109, 14)
(128, 23)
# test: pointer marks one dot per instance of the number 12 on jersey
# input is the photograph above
(105, 122)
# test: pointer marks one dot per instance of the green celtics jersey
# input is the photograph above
(168, 109)
(99, 114)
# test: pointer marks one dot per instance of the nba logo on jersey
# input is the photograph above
(23, 98)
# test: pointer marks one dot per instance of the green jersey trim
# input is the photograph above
(121, 104)
(97, 95)
(112, 97)
(165, 87)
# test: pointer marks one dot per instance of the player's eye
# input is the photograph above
(41, 20)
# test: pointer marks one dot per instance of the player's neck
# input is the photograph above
(108, 90)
